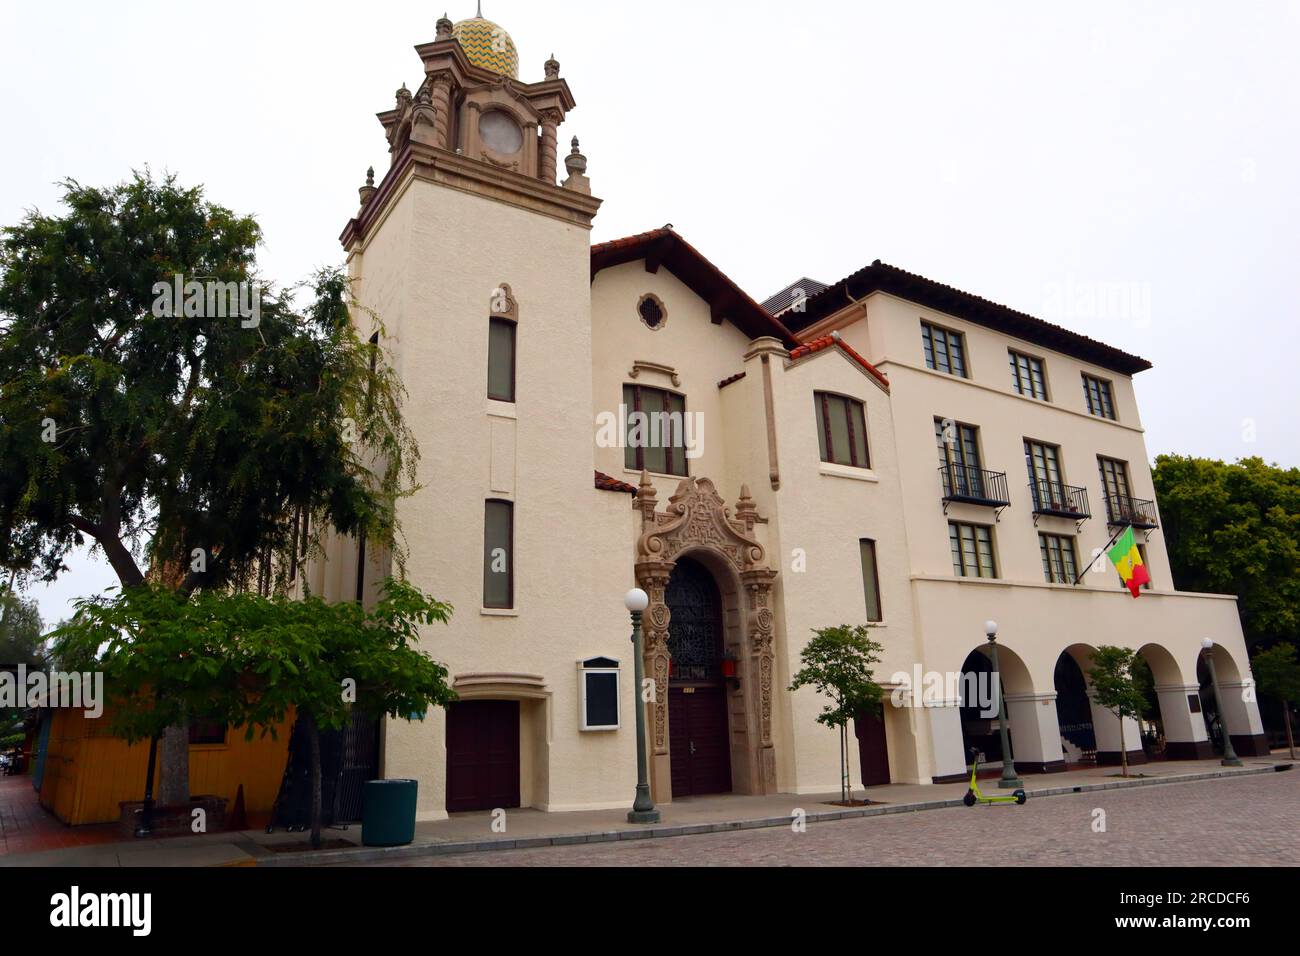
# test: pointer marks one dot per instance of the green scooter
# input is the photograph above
(973, 795)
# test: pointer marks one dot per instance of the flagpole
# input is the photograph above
(1115, 537)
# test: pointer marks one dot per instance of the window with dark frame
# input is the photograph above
(1114, 478)
(1059, 563)
(1027, 375)
(1101, 400)
(207, 732)
(972, 550)
(498, 556)
(871, 580)
(945, 350)
(501, 360)
(1043, 462)
(657, 441)
(842, 430)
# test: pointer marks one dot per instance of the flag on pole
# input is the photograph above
(1128, 562)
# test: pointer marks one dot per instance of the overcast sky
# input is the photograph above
(1128, 170)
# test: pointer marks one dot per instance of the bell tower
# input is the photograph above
(476, 259)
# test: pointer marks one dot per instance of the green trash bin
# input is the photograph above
(388, 812)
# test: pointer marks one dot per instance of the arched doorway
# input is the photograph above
(699, 737)
(698, 527)
(1074, 712)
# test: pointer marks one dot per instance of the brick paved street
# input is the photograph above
(1251, 821)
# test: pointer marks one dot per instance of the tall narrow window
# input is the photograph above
(1115, 488)
(1097, 393)
(1059, 565)
(972, 550)
(959, 454)
(1027, 375)
(842, 430)
(1043, 462)
(656, 431)
(361, 568)
(871, 580)
(498, 556)
(945, 351)
(501, 360)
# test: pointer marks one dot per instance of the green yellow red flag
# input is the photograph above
(1128, 562)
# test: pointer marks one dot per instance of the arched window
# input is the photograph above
(502, 342)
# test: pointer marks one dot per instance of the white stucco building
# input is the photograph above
(882, 449)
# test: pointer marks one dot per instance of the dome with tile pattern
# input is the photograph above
(488, 45)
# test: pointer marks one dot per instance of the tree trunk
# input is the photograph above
(1286, 722)
(313, 735)
(1123, 749)
(174, 781)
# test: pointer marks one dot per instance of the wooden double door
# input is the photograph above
(699, 738)
(483, 756)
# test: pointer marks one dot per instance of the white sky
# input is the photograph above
(1145, 152)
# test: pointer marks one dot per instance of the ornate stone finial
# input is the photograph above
(552, 67)
(368, 191)
(403, 97)
(647, 499)
(576, 164)
(444, 28)
(746, 510)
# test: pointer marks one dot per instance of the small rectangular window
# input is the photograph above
(1059, 565)
(1027, 375)
(842, 430)
(1100, 399)
(498, 556)
(656, 431)
(945, 350)
(972, 550)
(598, 707)
(871, 580)
(501, 360)
(207, 732)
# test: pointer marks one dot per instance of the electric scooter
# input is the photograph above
(973, 795)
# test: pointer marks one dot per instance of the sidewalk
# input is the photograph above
(468, 833)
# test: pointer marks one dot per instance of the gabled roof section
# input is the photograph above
(786, 298)
(834, 341)
(880, 277)
(664, 248)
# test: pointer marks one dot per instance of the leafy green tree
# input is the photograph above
(837, 663)
(199, 449)
(21, 642)
(1235, 529)
(1278, 674)
(1115, 689)
(246, 660)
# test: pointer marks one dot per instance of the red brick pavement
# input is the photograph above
(27, 827)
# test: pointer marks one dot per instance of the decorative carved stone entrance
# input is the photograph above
(696, 523)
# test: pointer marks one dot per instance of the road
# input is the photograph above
(1248, 821)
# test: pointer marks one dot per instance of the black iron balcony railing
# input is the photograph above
(1059, 500)
(1121, 509)
(974, 486)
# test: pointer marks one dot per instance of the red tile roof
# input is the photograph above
(665, 247)
(731, 381)
(882, 277)
(827, 341)
(605, 483)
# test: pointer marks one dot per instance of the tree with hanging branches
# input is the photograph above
(203, 451)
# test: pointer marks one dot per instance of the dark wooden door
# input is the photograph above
(483, 756)
(873, 749)
(698, 740)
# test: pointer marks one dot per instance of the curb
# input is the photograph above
(416, 851)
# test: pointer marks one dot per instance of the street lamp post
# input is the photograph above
(1229, 755)
(643, 808)
(1009, 779)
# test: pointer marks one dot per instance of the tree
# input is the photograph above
(1278, 674)
(837, 663)
(21, 642)
(201, 449)
(1235, 529)
(245, 660)
(1115, 689)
